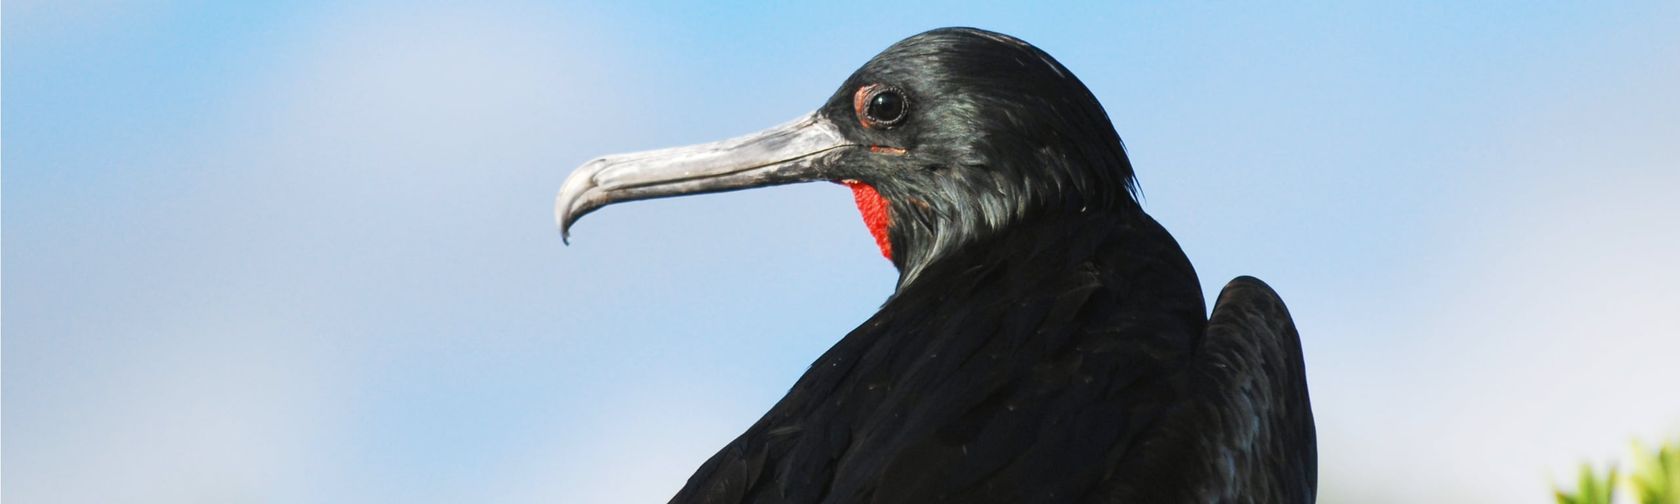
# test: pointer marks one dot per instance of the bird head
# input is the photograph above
(945, 138)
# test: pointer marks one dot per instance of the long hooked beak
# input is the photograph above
(798, 151)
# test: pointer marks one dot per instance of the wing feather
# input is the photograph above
(1251, 375)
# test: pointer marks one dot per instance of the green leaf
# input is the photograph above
(1589, 488)
(1656, 474)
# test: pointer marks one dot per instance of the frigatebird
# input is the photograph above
(1047, 340)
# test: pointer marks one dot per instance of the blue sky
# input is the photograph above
(303, 252)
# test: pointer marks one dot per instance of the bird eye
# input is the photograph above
(880, 106)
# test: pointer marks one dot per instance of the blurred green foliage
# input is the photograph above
(1655, 478)
(1656, 474)
(1590, 488)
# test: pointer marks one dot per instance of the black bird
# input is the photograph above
(1047, 340)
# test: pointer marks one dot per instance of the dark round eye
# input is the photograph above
(880, 106)
(886, 107)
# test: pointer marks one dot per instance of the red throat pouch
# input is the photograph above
(875, 214)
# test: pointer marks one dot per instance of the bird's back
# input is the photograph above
(1063, 362)
(1244, 432)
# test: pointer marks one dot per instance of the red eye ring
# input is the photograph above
(880, 106)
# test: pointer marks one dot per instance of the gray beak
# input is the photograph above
(798, 151)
